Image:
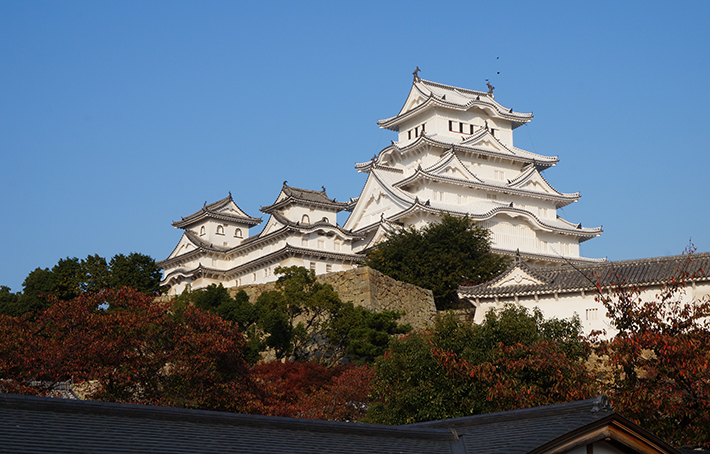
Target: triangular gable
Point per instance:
(486, 141)
(532, 180)
(271, 225)
(613, 431)
(450, 166)
(184, 246)
(415, 98)
(380, 234)
(517, 276)
(376, 191)
(232, 209)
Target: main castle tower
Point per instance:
(454, 154)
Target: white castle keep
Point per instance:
(454, 154)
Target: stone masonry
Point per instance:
(372, 290)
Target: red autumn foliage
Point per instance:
(658, 366)
(310, 390)
(123, 346)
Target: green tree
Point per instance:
(8, 301)
(135, 270)
(96, 275)
(514, 359)
(71, 277)
(305, 319)
(215, 298)
(36, 288)
(302, 319)
(438, 257)
(68, 277)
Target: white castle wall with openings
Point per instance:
(454, 154)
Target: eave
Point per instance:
(578, 232)
(277, 256)
(532, 158)
(482, 101)
(333, 206)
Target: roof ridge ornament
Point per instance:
(416, 74)
(490, 88)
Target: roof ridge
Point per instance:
(600, 403)
(207, 416)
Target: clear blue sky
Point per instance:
(117, 118)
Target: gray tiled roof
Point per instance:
(306, 197)
(39, 425)
(520, 431)
(211, 211)
(570, 278)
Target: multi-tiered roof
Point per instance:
(455, 154)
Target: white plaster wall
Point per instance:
(598, 447)
(591, 313)
(427, 118)
(295, 213)
(485, 169)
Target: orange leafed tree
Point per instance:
(123, 346)
(658, 366)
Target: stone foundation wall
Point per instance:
(373, 290)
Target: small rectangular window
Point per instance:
(328, 268)
(409, 134)
(461, 127)
(451, 125)
(313, 266)
(423, 124)
(416, 131)
(471, 128)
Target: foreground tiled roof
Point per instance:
(39, 425)
(572, 278)
(521, 431)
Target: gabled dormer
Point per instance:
(221, 223)
(305, 206)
